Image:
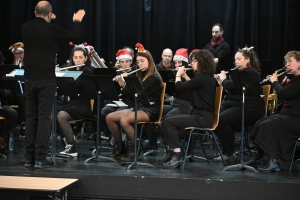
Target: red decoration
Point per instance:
(139, 47)
(85, 44)
(71, 43)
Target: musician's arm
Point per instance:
(151, 84)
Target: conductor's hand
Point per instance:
(79, 15)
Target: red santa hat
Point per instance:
(123, 53)
(181, 54)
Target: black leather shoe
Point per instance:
(273, 165)
(255, 161)
(43, 164)
(174, 162)
(29, 163)
(167, 158)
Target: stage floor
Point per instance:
(199, 180)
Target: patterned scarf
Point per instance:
(214, 44)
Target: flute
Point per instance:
(185, 69)
(120, 70)
(121, 76)
(226, 72)
(71, 67)
(282, 73)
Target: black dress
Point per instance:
(78, 108)
(277, 134)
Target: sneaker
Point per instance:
(69, 150)
(226, 158)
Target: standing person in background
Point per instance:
(219, 48)
(41, 39)
(166, 62)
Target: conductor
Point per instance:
(41, 39)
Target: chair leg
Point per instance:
(187, 147)
(213, 134)
(202, 146)
(293, 157)
(82, 138)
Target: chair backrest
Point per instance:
(218, 100)
(266, 93)
(162, 100)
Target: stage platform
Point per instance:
(199, 180)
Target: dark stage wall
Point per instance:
(271, 26)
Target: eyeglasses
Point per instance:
(125, 61)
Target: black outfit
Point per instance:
(161, 66)
(10, 115)
(152, 86)
(231, 112)
(277, 134)
(221, 52)
(202, 88)
(40, 39)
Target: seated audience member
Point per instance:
(276, 135)
(202, 89)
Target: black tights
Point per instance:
(64, 128)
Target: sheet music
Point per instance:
(117, 104)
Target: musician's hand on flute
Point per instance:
(181, 71)
(77, 17)
(273, 78)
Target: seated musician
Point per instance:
(276, 135)
(124, 61)
(202, 90)
(182, 101)
(10, 115)
(152, 84)
(18, 95)
(231, 110)
(77, 107)
(166, 60)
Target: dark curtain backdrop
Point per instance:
(271, 26)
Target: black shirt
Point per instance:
(40, 39)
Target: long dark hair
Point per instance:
(151, 68)
(249, 53)
(85, 53)
(206, 63)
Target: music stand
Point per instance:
(242, 80)
(104, 88)
(138, 93)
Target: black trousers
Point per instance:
(229, 120)
(10, 121)
(40, 96)
(170, 125)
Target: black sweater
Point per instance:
(253, 92)
(222, 52)
(203, 91)
(289, 92)
(40, 39)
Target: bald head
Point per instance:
(43, 8)
(166, 56)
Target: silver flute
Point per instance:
(121, 76)
(120, 70)
(282, 73)
(71, 67)
(235, 68)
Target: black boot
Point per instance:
(166, 159)
(258, 159)
(174, 162)
(119, 150)
(273, 165)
